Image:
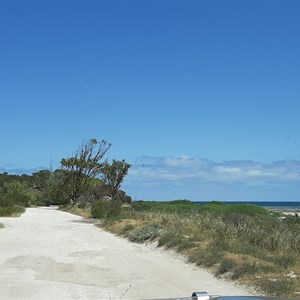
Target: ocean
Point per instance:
(284, 205)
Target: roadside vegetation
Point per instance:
(243, 243)
(14, 195)
(84, 178)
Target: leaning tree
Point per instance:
(83, 166)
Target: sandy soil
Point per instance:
(50, 254)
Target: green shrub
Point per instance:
(11, 211)
(17, 198)
(214, 207)
(81, 205)
(5, 202)
(106, 209)
(247, 209)
(179, 206)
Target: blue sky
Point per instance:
(202, 97)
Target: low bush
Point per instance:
(247, 209)
(82, 205)
(15, 198)
(11, 211)
(106, 209)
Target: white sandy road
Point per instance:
(49, 254)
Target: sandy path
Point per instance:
(49, 254)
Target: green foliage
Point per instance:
(17, 193)
(85, 165)
(106, 209)
(81, 205)
(247, 209)
(18, 198)
(214, 207)
(76, 178)
(11, 211)
(171, 206)
(113, 175)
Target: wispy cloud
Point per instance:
(184, 167)
(189, 177)
(12, 169)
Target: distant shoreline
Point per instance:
(288, 212)
(288, 206)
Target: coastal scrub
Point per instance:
(240, 242)
(244, 243)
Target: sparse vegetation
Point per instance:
(84, 212)
(76, 182)
(241, 242)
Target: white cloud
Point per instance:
(183, 168)
(180, 177)
(12, 169)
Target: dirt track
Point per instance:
(49, 254)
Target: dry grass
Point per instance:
(258, 250)
(73, 209)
